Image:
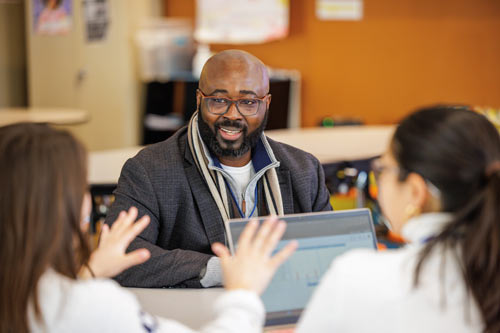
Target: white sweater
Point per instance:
(368, 291)
(103, 306)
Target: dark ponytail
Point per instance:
(458, 151)
(481, 252)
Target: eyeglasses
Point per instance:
(220, 105)
(378, 168)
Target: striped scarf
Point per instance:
(216, 183)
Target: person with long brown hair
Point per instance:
(440, 188)
(47, 267)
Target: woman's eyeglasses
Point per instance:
(378, 168)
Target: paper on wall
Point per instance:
(241, 21)
(96, 17)
(339, 9)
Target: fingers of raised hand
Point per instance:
(135, 229)
(125, 219)
(247, 235)
(119, 220)
(104, 233)
(136, 257)
(117, 226)
(283, 254)
(263, 233)
(221, 251)
(273, 238)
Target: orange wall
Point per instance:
(402, 55)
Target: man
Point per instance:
(220, 166)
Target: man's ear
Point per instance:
(268, 100)
(417, 186)
(198, 99)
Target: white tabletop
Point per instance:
(329, 145)
(336, 144)
(192, 307)
(56, 116)
(105, 166)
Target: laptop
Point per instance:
(322, 237)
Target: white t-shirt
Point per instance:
(242, 176)
(103, 306)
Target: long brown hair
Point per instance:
(42, 185)
(458, 151)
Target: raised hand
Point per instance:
(252, 266)
(110, 259)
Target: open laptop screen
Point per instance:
(321, 237)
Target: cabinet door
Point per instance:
(53, 62)
(98, 76)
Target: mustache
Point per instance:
(236, 124)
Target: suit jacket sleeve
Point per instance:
(321, 201)
(165, 268)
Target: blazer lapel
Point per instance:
(209, 213)
(286, 189)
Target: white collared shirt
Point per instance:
(369, 291)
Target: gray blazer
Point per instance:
(163, 182)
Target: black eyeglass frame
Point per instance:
(235, 102)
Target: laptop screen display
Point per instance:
(321, 238)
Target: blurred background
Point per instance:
(372, 63)
(120, 74)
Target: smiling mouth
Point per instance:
(230, 134)
(233, 132)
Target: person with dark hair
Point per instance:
(440, 189)
(47, 284)
(221, 166)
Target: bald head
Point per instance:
(241, 70)
(229, 76)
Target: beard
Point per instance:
(232, 148)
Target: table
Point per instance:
(104, 167)
(192, 307)
(55, 116)
(337, 144)
(329, 145)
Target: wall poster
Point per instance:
(52, 17)
(241, 21)
(339, 10)
(97, 19)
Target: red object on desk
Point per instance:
(394, 237)
(381, 247)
